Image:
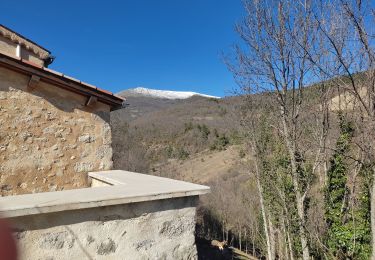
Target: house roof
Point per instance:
(17, 38)
(61, 80)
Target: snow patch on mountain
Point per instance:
(168, 94)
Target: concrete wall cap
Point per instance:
(128, 187)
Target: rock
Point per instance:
(103, 151)
(107, 247)
(89, 240)
(56, 240)
(86, 138)
(171, 229)
(106, 165)
(59, 172)
(25, 135)
(6, 187)
(83, 166)
(106, 134)
(49, 130)
(145, 244)
(52, 187)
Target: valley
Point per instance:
(196, 139)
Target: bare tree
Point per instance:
(276, 35)
(258, 143)
(346, 28)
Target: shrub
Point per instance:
(182, 154)
(188, 126)
(242, 153)
(205, 131)
(169, 151)
(220, 143)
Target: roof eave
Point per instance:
(60, 80)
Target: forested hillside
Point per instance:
(291, 160)
(198, 140)
(208, 141)
(157, 130)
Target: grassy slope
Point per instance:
(159, 132)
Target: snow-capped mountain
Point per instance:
(167, 94)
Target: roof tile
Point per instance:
(105, 91)
(71, 78)
(88, 85)
(53, 72)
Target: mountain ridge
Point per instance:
(162, 94)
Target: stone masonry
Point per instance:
(161, 229)
(49, 139)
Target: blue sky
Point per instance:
(165, 44)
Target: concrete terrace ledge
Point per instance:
(124, 215)
(109, 188)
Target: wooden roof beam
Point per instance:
(33, 82)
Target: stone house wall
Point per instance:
(30, 56)
(49, 139)
(9, 48)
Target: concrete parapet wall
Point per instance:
(160, 229)
(126, 215)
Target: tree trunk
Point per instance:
(246, 241)
(223, 230)
(253, 244)
(272, 238)
(295, 178)
(301, 216)
(284, 248)
(290, 245)
(239, 240)
(373, 217)
(263, 210)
